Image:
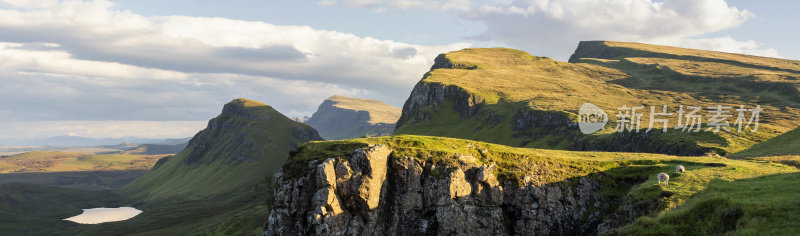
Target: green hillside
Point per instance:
(340, 117)
(629, 179)
(217, 184)
(240, 147)
(783, 145)
(510, 97)
(765, 205)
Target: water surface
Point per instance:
(102, 215)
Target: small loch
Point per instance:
(102, 215)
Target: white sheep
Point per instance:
(680, 169)
(663, 177)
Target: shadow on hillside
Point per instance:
(84, 180)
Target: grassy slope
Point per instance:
(764, 205)
(511, 79)
(550, 166)
(45, 161)
(785, 144)
(379, 112)
(222, 160)
(217, 183)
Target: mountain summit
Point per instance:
(340, 117)
(240, 147)
(510, 97)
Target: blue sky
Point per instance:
(101, 68)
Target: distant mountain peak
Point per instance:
(379, 112)
(340, 117)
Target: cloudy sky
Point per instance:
(154, 68)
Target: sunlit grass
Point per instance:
(46, 161)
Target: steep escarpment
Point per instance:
(341, 117)
(510, 97)
(410, 185)
(375, 191)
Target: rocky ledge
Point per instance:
(372, 191)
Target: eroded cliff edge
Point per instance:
(375, 188)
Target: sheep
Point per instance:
(680, 169)
(663, 177)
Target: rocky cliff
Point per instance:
(391, 186)
(341, 117)
(510, 97)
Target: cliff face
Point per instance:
(344, 118)
(510, 97)
(377, 189)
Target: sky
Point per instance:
(158, 69)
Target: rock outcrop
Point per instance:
(373, 191)
(341, 117)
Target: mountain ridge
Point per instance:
(510, 97)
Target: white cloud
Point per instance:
(88, 60)
(728, 44)
(94, 31)
(554, 27)
(381, 5)
(48, 59)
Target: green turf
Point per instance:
(785, 144)
(764, 205)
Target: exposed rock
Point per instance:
(374, 192)
(441, 61)
(431, 95)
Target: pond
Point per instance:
(102, 215)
